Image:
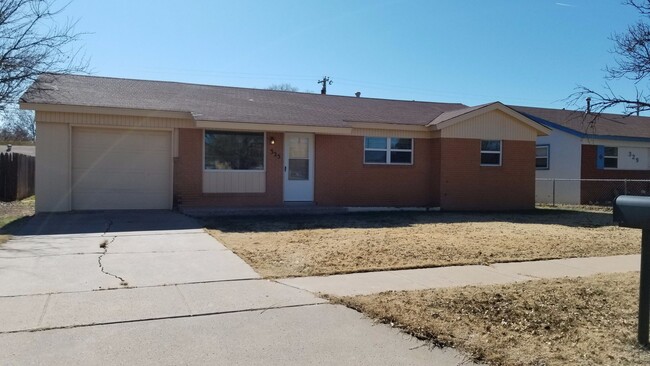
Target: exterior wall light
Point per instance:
(272, 140)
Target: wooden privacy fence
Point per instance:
(16, 176)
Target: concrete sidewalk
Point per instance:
(428, 278)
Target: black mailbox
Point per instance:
(634, 212)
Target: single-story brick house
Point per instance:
(109, 143)
(584, 151)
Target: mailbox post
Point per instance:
(634, 212)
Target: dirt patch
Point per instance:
(583, 321)
(11, 212)
(321, 245)
(17, 208)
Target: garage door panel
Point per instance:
(116, 200)
(125, 161)
(118, 139)
(120, 169)
(121, 180)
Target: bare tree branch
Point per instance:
(31, 43)
(632, 62)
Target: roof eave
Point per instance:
(271, 127)
(388, 126)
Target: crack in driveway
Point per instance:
(104, 246)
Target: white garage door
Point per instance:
(120, 169)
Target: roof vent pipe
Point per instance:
(357, 94)
(588, 105)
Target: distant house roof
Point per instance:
(230, 104)
(603, 126)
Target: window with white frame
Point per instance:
(388, 150)
(225, 150)
(490, 152)
(611, 157)
(542, 153)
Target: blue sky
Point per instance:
(524, 52)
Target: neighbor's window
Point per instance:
(611, 157)
(388, 150)
(491, 152)
(234, 150)
(542, 157)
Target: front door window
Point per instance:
(298, 158)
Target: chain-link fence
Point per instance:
(587, 191)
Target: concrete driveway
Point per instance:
(153, 288)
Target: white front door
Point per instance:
(298, 167)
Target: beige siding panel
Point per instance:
(120, 169)
(234, 181)
(372, 132)
(113, 120)
(52, 167)
(494, 125)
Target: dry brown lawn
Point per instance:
(583, 321)
(321, 245)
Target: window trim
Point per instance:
(388, 150)
(263, 170)
(548, 156)
(610, 157)
(500, 152)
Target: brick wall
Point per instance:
(188, 176)
(445, 173)
(466, 185)
(604, 192)
(342, 179)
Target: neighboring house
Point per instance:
(108, 143)
(584, 150)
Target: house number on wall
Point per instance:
(275, 154)
(634, 157)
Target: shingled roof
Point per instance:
(585, 125)
(230, 104)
